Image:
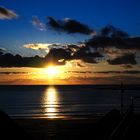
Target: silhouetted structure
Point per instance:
(122, 92)
(9, 130)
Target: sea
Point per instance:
(67, 101)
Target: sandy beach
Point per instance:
(42, 128)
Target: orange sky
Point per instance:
(67, 74)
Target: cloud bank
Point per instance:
(110, 44)
(128, 58)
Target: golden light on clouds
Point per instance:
(70, 73)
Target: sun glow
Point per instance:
(51, 71)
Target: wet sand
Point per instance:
(43, 128)
(71, 129)
(74, 128)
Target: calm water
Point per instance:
(62, 101)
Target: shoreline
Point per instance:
(59, 117)
(44, 128)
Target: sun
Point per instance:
(51, 71)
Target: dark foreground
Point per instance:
(112, 126)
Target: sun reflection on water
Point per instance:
(51, 101)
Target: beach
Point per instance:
(111, 126)
(42, 128)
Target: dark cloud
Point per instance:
(8, 73)
(56, 54)
(72, 52)
(113, 32)
(2, 50)
(7, 14)
(127, 66)
(87, 55)
(128, 58)
(70, 26)
(73, 26)
(80, 72)
(80, 65)
(120, 43)
(54, 23)
(9, 60)
(112, 52)
(119, 72)
(103, 42)
(107, 72)
(120, 50)
(111, 36)
(132, 43)
(59, 56)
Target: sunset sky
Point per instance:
(69, 42)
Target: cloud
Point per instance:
(7, 14)
(127, 66)
(56, 54)
(128, 58)
(111, 31)
(9, 60)
(43, 46)
(59, 56)
(9, 72)
(72, 47)
(38, 24)
(2, 51)
(134, 72)
(87, 55)
(38, 46)
(117, 45)
(80, 72)
(80, 65)
(54, 24)
(113, 53)
(70, 26)
(120, 72)
(111, 44)
(110, 36)
(131, 43)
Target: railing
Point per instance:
(136, 103)
(122, 126)
(120, 130)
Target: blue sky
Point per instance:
(14, 33)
